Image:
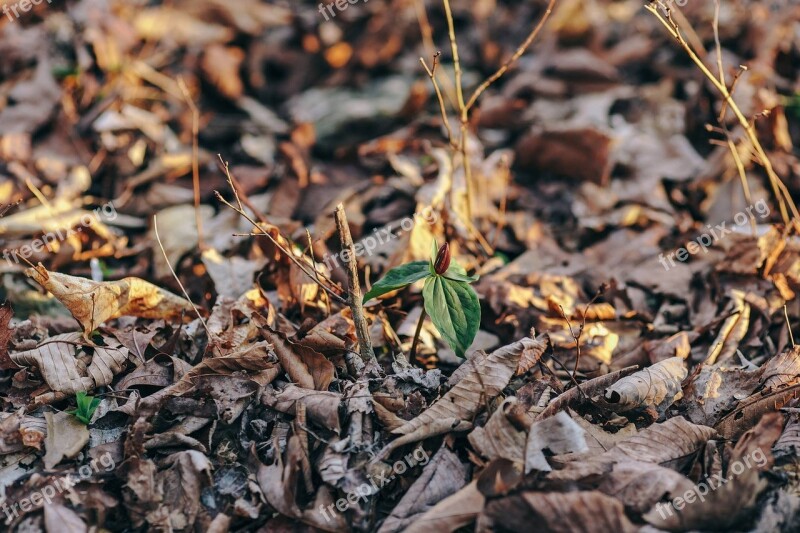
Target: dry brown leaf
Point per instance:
(782, 370)
(66, 366)
(66, 437)
(451, 513)
(254, 362)
(531, 356)
(567, 512)
(5, 335)
(308, 368)
(751, 409)
(220, 65)
(657, 386)
(279, 483)
(94, 302)
(442, 477)
(503, 435)
(641, 485)
(721, 508)
(484, 380)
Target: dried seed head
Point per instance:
(442, 262)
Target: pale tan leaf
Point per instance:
(559, 434)
(321, 407)
(62, 362)
(308, 368)
(60, 519)
(671, 444)
(732, 331)
(66, 437)
(657, 386)
(94, 302)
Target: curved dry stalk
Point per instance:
(779, 189)
(313, 276)
(432, 75)
(517, 54)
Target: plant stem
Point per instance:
(354, 299)
(422, 316)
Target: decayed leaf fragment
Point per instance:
(657, 386)
(94, 302)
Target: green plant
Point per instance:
(86, 406)
(449, 300)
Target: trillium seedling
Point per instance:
(86, 406)
(449, 300)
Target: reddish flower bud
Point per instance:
(442, 262)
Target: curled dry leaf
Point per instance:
(62, 362)
(657, 386)
(94, 302)
(732, 331)
(530, 356)
(66, 437)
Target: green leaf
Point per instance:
(454, 309)
(457, 272)
(434, 251)
(86, 406)
(397, 278)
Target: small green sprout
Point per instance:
(449, 300)
(87, 405)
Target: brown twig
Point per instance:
(265, 233)
(354, 299)
(432, 75)
(521, 50)
(782, 195)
